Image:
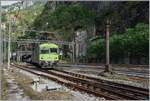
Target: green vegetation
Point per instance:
(65, 19)
(22, 19)
(128, 33)
(70, 18)
(3, 18)
(132, 44)
(129, 28)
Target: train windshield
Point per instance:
(53, 50)
(45, 51)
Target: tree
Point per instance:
(133, 43)
(72, 17)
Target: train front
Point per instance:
(49, 55)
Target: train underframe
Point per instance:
(46, 64)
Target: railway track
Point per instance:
(107, 89)
(127, 89)
(131, 72)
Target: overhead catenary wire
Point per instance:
(40, 41)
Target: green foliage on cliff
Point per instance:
(22, 18)
(69, 16)
(65, 19)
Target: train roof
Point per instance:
(48, 45)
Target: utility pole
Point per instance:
(9, 42)
(1, 58)
(73, 54)
(107, 66)
(0, 49)
(74, 48)
(5, 43)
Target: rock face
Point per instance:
(122, 14)
(81, 43)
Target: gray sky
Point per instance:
(8, 2)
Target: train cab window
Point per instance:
(53, 50)
(45, 51)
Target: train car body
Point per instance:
(46, 54)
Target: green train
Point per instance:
(45, 54)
